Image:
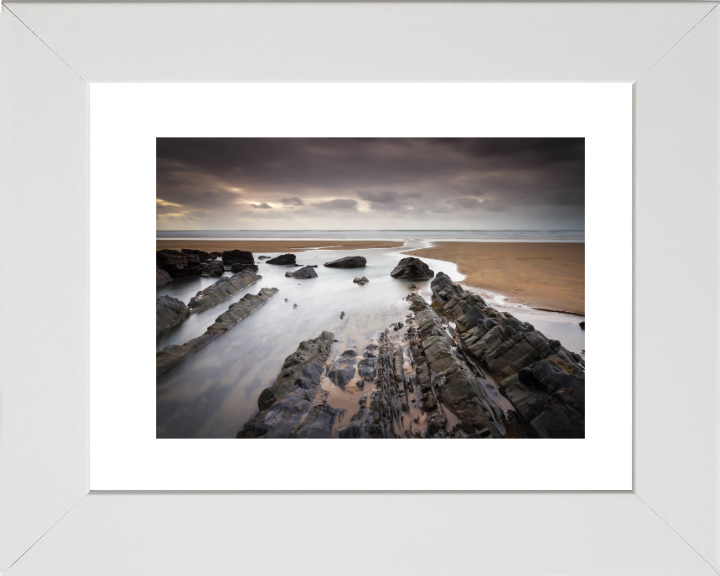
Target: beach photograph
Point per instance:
(370, 288)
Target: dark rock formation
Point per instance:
(284, 260)
(361, 281)
(506, 346)
(582, 325)
(342, 371)
(177, 264)
(412, 268)
(216, 254)
(173, 355)
(302, 273)
(263, 257)
(161, 277)
(203, 256)
(237, 257)
(237, 267)
(348, 262)
(287, 409)
(214, 269)
(222, 290)
(169, 312)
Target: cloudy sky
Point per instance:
(370, 184)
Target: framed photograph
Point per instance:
(372, 269)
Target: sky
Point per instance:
(370, 184)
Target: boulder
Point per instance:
(161, 277)
(361, 281)
(239, 257)
(203, 256)
(343, 371)
(348, 262)
(239, 267)
(169, 312)
(283, 260)
(214, 269)
(412, 268)
(177, 264)
(302, 273)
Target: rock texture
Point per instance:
(237, 257)
(222, 290)
(302, 273)
(169, 312)
(284, 260)
(173, 355)
(412, 268)
(290, 407)
(203, 256)
(177, 264)
(506, 346)
(361, 281)
(214, 269)
(348, 262)
(161, 277)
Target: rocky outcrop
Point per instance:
(284, 260)
(348, 262)
(412, 268)
(173, 355)
(240, 267)
(238, 257)
(214, 269)
(222, 290)
(161, 277)
(361, 281)
(302, 273)
(177, 264)
(506, 346)
(288, 408)
(169, 312)
(203, 256)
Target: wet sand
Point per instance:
(542, 275)
(257, 247)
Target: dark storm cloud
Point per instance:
(497, 182)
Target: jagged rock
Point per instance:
(302, 273)
(203, 256)
(172, 355)
(222, 290)
(342, 371)
(239, 267)
(169, 312)
(214, 269)
(161, 277)
(177, 264)
(412, 268)
(237, 257)
(286, 408)
(284, 260)
(361, 281)
(348, 262)
(342, 315)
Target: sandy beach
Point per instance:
(257, 247)
(547, 276)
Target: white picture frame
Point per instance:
(50, 523)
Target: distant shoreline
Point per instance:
(260, 246)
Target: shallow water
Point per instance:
(214, 392)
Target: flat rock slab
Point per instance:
(172, 355)
(412, 268)
(302, 273)
(162, 278)
(348, 262)
(222, 290)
